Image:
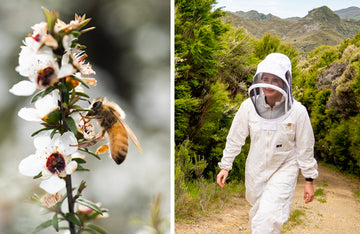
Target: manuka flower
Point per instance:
(43, 107)
(30, 62)
(41, 37)
(42, 70)
(52, 159)
(50, 200)
(78, 57)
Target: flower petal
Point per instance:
(65, 142)
(23, 88)
(31, 165)
(53, 184)
(71, 167)
(42, 142)
(47, 104)
(29, 114)
(66, 70)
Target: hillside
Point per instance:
(349, 13)
(320, 27)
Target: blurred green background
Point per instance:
(130, 52)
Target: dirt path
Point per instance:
(336, 209)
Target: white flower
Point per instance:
(53, 159)
(39, 66)
(78, 57)
(41, 37)
(42, 70)
(31, 59)
(43, 106)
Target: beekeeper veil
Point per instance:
(274, 73)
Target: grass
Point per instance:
(357, 195)
(203, 195)
(319, 193)
(322, 200)
(294, 219)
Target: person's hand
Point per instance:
(308, 192)
(221, 177)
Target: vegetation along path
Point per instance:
(335, 209)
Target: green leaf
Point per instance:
(81, 168)
(89, 204)
(38, 131)
(38, 175)
(75, 33)
(42, 93)
(55, 222)
(62, 87)
(53, 133)
(53, 117)
(51, 18)
(79, 160)
(89, 230)
(82, 94)
(96, 228)
(42, 226)
(87, 30)
(77, 107)
(71, 217)
(91, 153)
(83, 23)
(71, 125)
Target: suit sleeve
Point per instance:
(239, 130)
(305, 145)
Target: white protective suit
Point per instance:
(282, 141)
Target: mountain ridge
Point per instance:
(349, 13)
(321, 26)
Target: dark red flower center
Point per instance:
(56, 163)
(45, 77)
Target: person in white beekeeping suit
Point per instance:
(282, 141)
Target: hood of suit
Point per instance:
(274, 73)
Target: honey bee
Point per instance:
(110, 118)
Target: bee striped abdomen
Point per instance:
(118, 141)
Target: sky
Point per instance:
(284, 8)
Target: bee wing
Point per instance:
(128, 130)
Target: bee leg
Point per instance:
(99, 137)
(93, 116)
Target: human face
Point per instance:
(272, 95)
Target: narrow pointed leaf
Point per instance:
(89, 204)
(38, 175)
(71, 124)
(72, 219)
(55, 222)
(42, 93)
(96, 228)
(43, 129)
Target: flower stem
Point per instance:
(71, 202)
